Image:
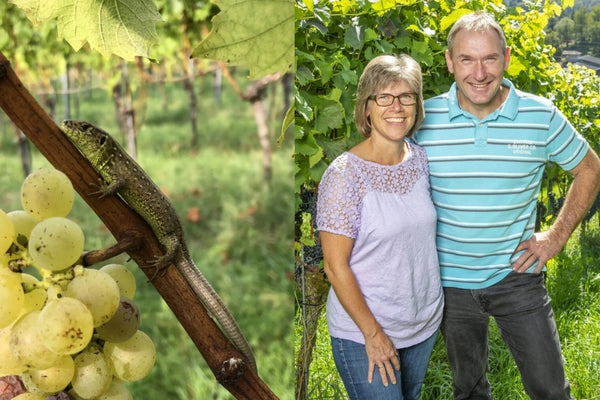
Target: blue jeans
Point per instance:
(521, 308)
(352, 363)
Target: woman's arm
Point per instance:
(380, 349)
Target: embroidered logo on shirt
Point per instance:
(522, 147)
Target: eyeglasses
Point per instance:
(386, 99)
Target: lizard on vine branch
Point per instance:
(123, 176)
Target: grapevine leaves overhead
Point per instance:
(261, 41)
(126, 28)
(256, 34)
(335, 40)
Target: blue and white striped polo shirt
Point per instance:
(485, 179)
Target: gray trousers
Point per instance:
(521, 308)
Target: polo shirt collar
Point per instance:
(508, 109)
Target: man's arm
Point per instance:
(582, 192)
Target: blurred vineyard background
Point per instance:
(211, 139)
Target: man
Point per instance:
(487, 145)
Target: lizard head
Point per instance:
(91, 141)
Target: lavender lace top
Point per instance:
(388, 212)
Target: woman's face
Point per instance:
(393, 122)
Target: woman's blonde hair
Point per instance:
(379, 73)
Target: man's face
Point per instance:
(478, 62)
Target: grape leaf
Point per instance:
(126, 28)
(256, 34)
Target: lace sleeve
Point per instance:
(423, 160)
(338, 202)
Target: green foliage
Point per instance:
(30, 50)
(578, 99)
(577, 29)
(576, 94)
(124, 28)
(262, 43)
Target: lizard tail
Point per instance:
(219, 311)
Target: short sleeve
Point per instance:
(566, 146)
(338, 201)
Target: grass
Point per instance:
(574, 286)
(241, 240)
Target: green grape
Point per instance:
(22, 221)
(30, 386)
(98, 291)
(124, 278)
(123, 325)
(92, 376)
(65, 325)
(52, 379)
(116, 391)
(47, 193)
(29, 396)
(56, 243)
(132, 359)
(36, 297)
(35, 300)
(9, 365)
(7, 232)
(12, 297)
(26, 344)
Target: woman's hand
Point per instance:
(380, 349)
(382, 353)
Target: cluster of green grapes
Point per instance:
(64, 328)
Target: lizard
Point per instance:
(123, 176)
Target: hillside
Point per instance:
(578, 3)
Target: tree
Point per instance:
(565, 28)
(581, 20)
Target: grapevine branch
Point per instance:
(27, 114)
(132, 241)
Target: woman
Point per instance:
(376, 225)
